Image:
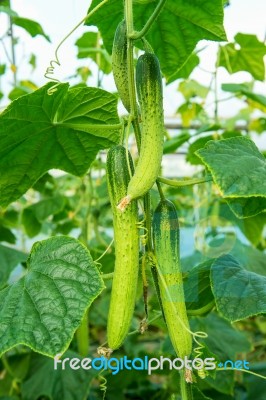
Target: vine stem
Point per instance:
(13, 65)
(183, 182)
(185, 388)
(50, 69)
(130, 70)
(147, 26)
(242, 370)
(82, 335)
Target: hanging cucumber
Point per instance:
(150, 96)
(119, 63)
(166, 247)
(126, 249)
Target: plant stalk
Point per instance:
(82, 335)
(147, 26)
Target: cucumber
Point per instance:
(150, 96)
(166, 247)
(119, 63)
(126, 237)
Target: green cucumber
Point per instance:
(166, 247)
(119, 63)
(126, 237)
(150, 96)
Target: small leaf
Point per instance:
(10, 258)
(6, 235)
(7, 10)
(258, 100)
(88, 47)
(171, 145)
(249, 57)
(191, 88)
(239, 170)
(32, 27)
(2, 69)
(44, 308)
(238, 292)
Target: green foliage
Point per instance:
(245, 54)
(243, 185)
(174, 35)
(51, 299)
(58, 134)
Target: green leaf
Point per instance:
(198, 395)
(10, 258)
(251, 259)
(171, 145)
(190, 111)
(44, 308)
(251, 227)
(256, 387)
(175, 33)
(30, 222)
(2, 69)
(258, 100)
(196, 145)
(238, 292)
(6, 235)
(197, 289)
(223, 340)
(191, 88)
(7, 10)
(88, 47)
(24, 87)
(201, 142)
(249, 57)
(64, 130)
(32, 27)
(44, 380)
(239, 170)
(35, 214)
(187, 68)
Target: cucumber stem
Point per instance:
(82, 335)
(185, 387)
(184, 182)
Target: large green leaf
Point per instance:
(238, 292)
(175, 33)
(245, 54)
(44, 308)
(44, 380)
(9, 259)
(239, 170)
(64, 130)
